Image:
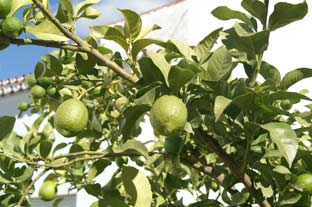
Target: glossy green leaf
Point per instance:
(6, 126)
(27, 174)
(46, 30)
(285, 13)
(85, 63)
(225, 13)
(97, 168)
(110, 33)
(93, 189)
(45, 148)
(91, 13)
(53, 65)
(285, 139)
(82, 6)
(183, 49)
(150, 72)
(133, 146)
(65, 11)
(221, 103)
(160, 61)
(17, 4)
(132, 114)
(203, 48)
(178, 77)
(270, 72)
(137, 186)
(219, 65)
(255, 8)
(133, 23)
(141, 44)
(295, 76)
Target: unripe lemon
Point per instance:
(23, 106)
(12, 27)
(5, 7)
(71, 117)
(173, 144)
(304, 183)
(48, 190)
(286, 104)
(121, 102)
(37, 91)
(168, 115)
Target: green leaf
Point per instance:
(183, 49)
(132, 114)
(285, 139)
(133, 23)
(219, 65)
(65, 11)
(160, 61)
(179, 76)
(150, 72)
(295, 76)
(6, 126)
(146, 30)
(270, 72)
(46, 30)
(110, 33)
(203, 48)
(45, 148)
(85, 63)
(137, 186)
(17, 4)
(82, 6)
(221, 103)
(225, 13)
(250, 43)
(286, 13)
(284, 95)
(133, 146)
(93, 189)
(91, 13)
(53, 65)
(97, 168)
(39, 70)
(141, 44)
(146, 95)
(27, 174)
(256, 8)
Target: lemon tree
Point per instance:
(212, 131)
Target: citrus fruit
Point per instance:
(12, 27)
(168, 115)
(51, 91)
(86, 84)
(5, 7)
(37, 91)
(214, 185)
(97, 91)
(173, 144)
(45, 81)
(71, 117)
(121, 102)
(23, 106)
(304, 183)
(286, 104)
(48, 190)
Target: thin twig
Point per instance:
(234, 167)
(29, 187)
(85, 47)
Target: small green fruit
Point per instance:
(5, 8)
(304, 183)
(286, 104)
(48, 190)
(23, 106)
(121, 103)
(12, 27)
(97, 91)
(37, 91)
(45, 81)
(51, 91)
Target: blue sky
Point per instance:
(20, 60)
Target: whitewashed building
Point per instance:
(188, 21)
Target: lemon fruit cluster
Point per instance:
(168, 115)
(71, 117)
(48, 190)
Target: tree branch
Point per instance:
(29, 187)
(85, 47)
(234, 167)
(44, 43)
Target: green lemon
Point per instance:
(5, 8)
(86, 84)
(45, 81)
(37, 91)
(23, 106)
(214, 185)
(51, 91)
(168, 115)
(97, 91)
(304, 183)
(173, 144)
(121, 102)
(12, 27)
(286, 104)
(48, 190)
(71, 117)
